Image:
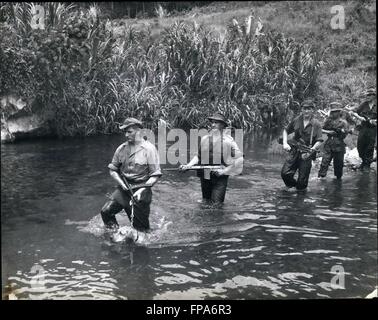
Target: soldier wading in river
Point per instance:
(302, 148)
(219, 149)
(367, 113)
(135, 162)
(334, 147)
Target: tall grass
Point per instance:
(91, 80)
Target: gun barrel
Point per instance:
(294, 144)
(300, 147)
(124, 179)
(196, 168)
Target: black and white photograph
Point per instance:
(188, 151)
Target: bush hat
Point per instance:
(335, 106)
(370, 92)
(308, 103)
(218, 117)
(131, 122)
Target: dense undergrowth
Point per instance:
(90, 73)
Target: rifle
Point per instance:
(337, 131)
(362, 119)
(299, 145)
(357, 116)
(209, 167)
(132, 187)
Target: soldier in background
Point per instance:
(366, 112)
(334, 147)
(307, 136)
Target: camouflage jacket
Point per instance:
(335, 142)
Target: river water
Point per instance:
(264, 243)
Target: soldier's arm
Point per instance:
(153, 166)
(318, 138)
(236, 167)
(328, 127)
(317, 145)
(114, 168)
(152, 180)
(285, 145)
(116, 177)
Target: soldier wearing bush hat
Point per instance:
(335, 106)
(308, 104)
(336, 129)
(217, 117)
(135, 163)
(371, 92)
(216, 148)
(366, 112)
(302, 148)
(131, 122)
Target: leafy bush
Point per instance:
(90, 80)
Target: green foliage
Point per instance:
(60, 66)
(90, 80)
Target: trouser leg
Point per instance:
(289, 168)
(365, 144)
(338, 164)
(141, 209)
(206, 188)
(140, 216)
(108, 212)
(140, 220)
(371, 135)
(219, 188)
(361, 143)
(326, 161)
(303, 173)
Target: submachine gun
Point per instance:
(300, 146)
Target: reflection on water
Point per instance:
(263, 243)
(78, 281)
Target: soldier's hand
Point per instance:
(138, 194)
(184, 167)
(373, 122)
(286, 147)
(306, 155)
(219, 172)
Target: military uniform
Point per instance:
(222, 150)
(334, 147)
(368, 132)
(310, 134)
